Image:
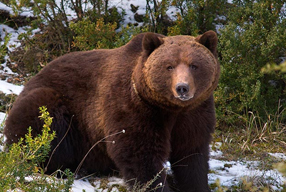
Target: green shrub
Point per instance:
(254, 36)
(56, 37)
(53, 41)
(20, 167)
(98, 35)
(90, 35)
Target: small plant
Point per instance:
(217, 186)
(20, 167)
(146, 187)
(38, 148)
(3, 47)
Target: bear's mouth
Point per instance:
(184, 97)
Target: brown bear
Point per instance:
(158, 89)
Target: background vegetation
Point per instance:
(251, 96)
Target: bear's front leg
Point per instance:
(191, 136)
(140, 156)
(190, 169)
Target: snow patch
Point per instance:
(81, 185)
(232, 173)
(129, 15)
(2, 118)
(281, 156)
(14, 42)
(25, 11)
(9, 88)
(126, 6)
(5, 8)
(215, 149)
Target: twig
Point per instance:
(80, 164)
(58, 144)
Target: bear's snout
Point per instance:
(182, 88)
(183, 92)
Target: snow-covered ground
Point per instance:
(228, 172)
(9, 88)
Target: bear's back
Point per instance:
(80, 70)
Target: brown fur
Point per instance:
(98, 93)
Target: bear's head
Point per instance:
(177, 71)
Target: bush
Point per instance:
(90, 35)
(56, 37)
(255, 36)
(98, 35)
(20, 167)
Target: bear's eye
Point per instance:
(169, 68)
(193, 67)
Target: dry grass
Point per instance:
(255, 136)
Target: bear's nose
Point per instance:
(182, 88)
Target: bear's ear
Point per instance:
(151, 41)
(209, 40)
